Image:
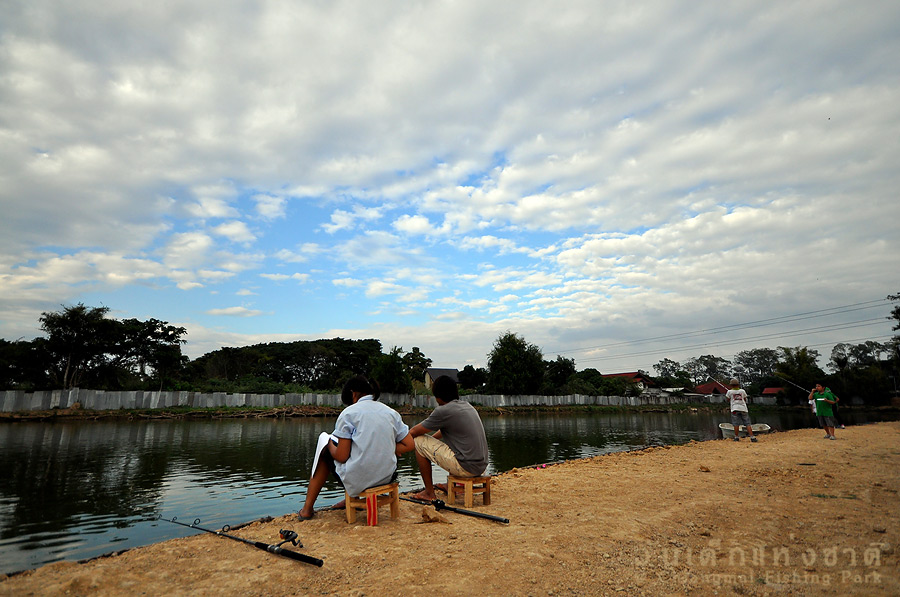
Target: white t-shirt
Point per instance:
(375, 429)
(738, 399)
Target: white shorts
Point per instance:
(440, 453)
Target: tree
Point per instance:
(707, 366)
(515, 366)
(388, 370)
(840, 357)
(471, 378)
(557, 373)
(756, 363)
(667, 368)
(24, 365)
(799, 366)
(415, 363)
(670, 374)
(79, 339)
(895, 313)
(867, 353)
(152, 343)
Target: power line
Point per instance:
(832, 327)
(751, 324)
(648, 366)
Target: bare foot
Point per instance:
(339, 506)
(424, 496)
(441, 487)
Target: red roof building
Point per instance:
(712, 387)
(640, 380)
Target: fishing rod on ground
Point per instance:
(440, 505)
(288, 536)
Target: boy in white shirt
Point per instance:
(740, 415)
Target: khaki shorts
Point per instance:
(440, 453)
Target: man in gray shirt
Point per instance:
(458, 444)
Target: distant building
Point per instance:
(640, 381)
(772, 391)
(433, 373)
(711, 388)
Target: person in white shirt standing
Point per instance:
(740, 415)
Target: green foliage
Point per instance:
(318, 364)
(389, 371)
(471, 378)
(798, 365)
(755, 364)
(85, 348)
(415, 363)
(23, 365)
(557, 374)
(515, 366)
(707, 366)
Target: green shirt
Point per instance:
(823, 409)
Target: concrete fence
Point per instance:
(17, 400)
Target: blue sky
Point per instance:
(588, 175)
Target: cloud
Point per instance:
(306, 252)
(235, 312)
(211, 207)
(270, 207)
(567, 173)
(378, 248)
(413, 225)
(235, 231)
(302, 278)
(344, 220)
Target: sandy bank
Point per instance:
(804, 515)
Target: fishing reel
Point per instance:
(289, 536)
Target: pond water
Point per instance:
(76, 490)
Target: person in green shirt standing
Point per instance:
(823, 399)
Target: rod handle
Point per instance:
(300, 557)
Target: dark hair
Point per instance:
(359, 383)
(445, 388)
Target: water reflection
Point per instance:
(75, 490)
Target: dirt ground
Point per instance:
(793, 514)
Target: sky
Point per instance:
(615, 182)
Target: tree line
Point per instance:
(84, 347)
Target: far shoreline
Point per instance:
(77, 413)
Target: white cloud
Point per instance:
(235, 312)
(596, 173)
(503, 245)
(302, 278)
(307, 251)
(344, 220)
(187, 250)
(413, 225)
(270, 207)
(235, 231)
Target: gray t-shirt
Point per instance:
(462, 431)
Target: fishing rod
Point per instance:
(792, 383)
(440, 505)
(288, 536)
